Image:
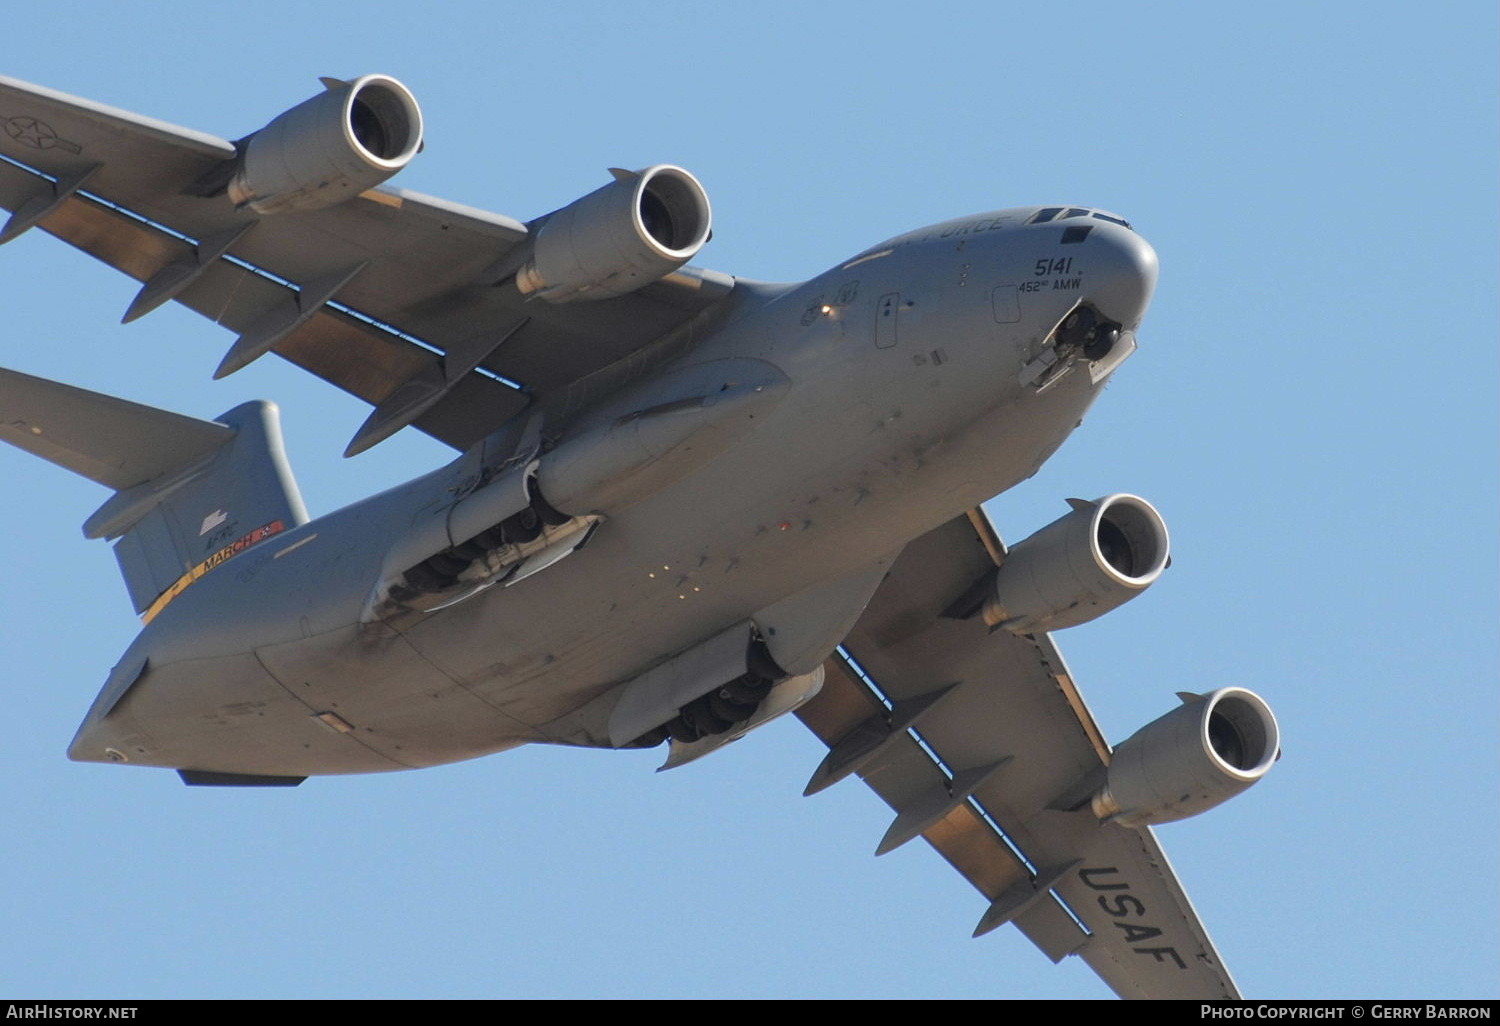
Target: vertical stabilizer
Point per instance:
(189, 493)
(239, 497)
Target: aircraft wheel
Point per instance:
(470, 550)
(1105, 337)
(447, 563)
(491, 538)
(700, 715)
(682, 731)
(747, 689)
(730, 712)
(1076, 327)
(523, 526)
(427, 580)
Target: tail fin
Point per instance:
(189, 493)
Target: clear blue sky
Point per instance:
(1313, 409)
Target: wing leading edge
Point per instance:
(403, 300)
(976, 740)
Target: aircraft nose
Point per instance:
(1122, 273)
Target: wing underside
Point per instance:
(977, 740)
(403, 300)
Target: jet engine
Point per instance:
(347, 139)
(638, 228)
(1200, 754)
(1080, 566)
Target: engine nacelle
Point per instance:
(1080, 566)
(347, 139)
(636, 229)
(1200, 754)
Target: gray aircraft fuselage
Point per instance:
(910, 395)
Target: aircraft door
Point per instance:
(1006, 303)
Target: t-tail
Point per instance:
(189, 494)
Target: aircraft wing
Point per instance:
(1016, 745)
(423, 319)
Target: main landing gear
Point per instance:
(723, 708)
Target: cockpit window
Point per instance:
(1113, 220)
(1059, 213)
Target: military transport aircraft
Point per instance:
(685, 503)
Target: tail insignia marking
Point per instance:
(228, 552)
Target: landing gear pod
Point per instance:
(636, 229)
(347, 139)
(1200, 754)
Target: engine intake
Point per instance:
(347, 139)
(1200, 754)
(1080, 566)
(636, 229)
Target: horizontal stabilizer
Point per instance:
(117, 443)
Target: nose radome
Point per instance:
(1122, 273)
